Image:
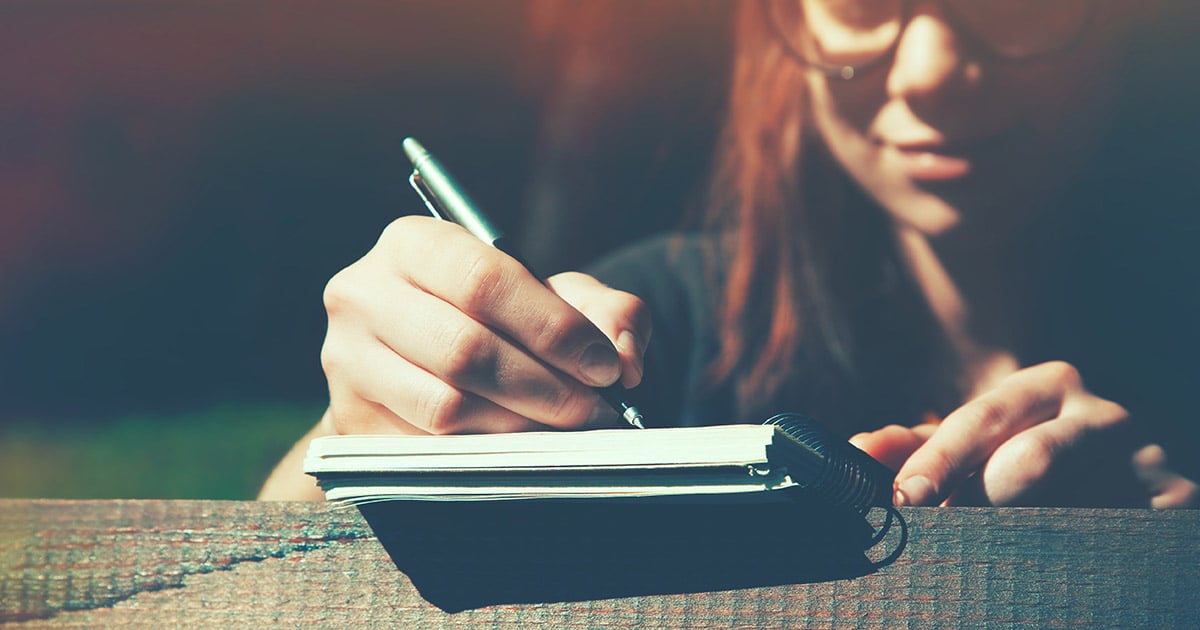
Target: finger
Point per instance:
(892, 445)
(1167, 488)
(1081, 458)
(622, 317)
(1084, 457)
(468, 356)
(349, 413)
(969, 435)
(398, 393)
(1017, 472)
(353, 415)
(496, 290)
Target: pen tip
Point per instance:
(633, 417)
(413, 149)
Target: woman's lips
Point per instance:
(934, 162)
(941, 159)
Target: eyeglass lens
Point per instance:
(856, 32)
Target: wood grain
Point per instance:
(213, 563)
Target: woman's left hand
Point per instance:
(1038, 438)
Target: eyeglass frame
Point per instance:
(850, 72)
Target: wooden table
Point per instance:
(219, 564)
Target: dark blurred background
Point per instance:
(178, 180)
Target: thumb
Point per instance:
(892, 445)
(621, 316)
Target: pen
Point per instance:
(449, 202)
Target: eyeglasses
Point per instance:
(842, 38)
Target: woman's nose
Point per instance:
(931, 59)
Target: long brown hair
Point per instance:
(757, 193)
(807, 250)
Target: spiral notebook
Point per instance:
(477, 520)
(738, 461)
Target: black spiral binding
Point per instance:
(836, 471)
(829, 467)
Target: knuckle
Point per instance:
(567, 408)
(1064, 374)
(990, 414)
(336, 295)
(330, 359)
(468, 351)
(481, 282)
(631, 303)
(557, 334)
(410, 240)
(398, 232)
(336, 357)
(353, 412)
(441, 408)
(636, 311)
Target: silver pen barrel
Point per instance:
(451, 200)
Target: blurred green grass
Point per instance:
(221, 452)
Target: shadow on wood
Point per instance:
(463, 555)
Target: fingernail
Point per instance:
(915, 490)
(600, 365)
(627, 342)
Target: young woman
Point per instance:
(902, 246)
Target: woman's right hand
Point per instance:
(434, 331)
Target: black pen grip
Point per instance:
(505, 244)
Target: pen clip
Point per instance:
(427, 195)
